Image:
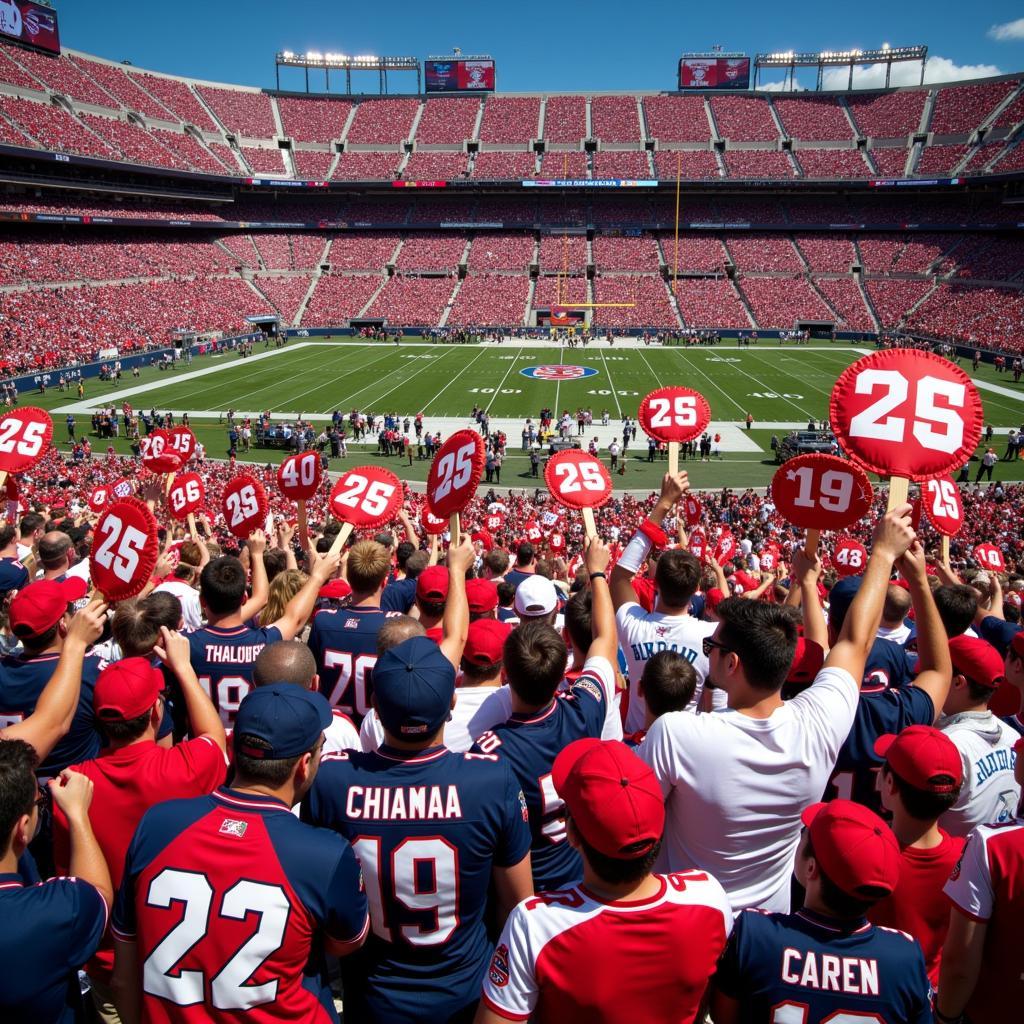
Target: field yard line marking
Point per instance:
(280, 384)
(608, 374)
(342, 376)
(761, 385)
(511, 367)
(383, 380)
(696, 369)
(558, 385)
(803, 379)
(426, 405)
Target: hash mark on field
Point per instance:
(696, 369)
(426, 405)
(615, 394)
(497, 390)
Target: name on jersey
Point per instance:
(641, 652)
(852, 975)
(403, 803)
(225, 654)
(1001, 760)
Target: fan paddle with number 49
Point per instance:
(578, 480)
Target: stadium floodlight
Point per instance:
(887, 55)
(332, 61)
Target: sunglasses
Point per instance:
(710, 643)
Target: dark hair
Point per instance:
(402, 553)
(841, 903)
(979, 694)
(44, 639)
(273, 772)
(669, 682)
(763, 636)
(919, 803)
(222, 585)
(30, 522)
(433, 609)
(275, 561)
(136, 624)
(618, 870)
(18, 762)
(415, 564)
(535, 658)
(524, 556)
(506, 593)
(677, 575)
(578, 619)
(7, 533)
(957, 607)
(121, 731)
(496, 560)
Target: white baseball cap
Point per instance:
(536, 595)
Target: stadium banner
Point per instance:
(590, 183)
(30, 23)
(458, 75)
(714, 73)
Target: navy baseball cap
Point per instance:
(413, 686)
(286, 717)
(840, 597)
(13, 575)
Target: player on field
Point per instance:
(224, 650)
(432, 829)
(670, 627)
(544, 723)
(736, 781)
(228, 901)
(625, 945)
(981, 979)
(827, 963)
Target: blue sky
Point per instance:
(537, 46)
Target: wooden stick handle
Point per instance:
(945, 552)
(343, 535)
(673, 457)
(303, 525)
(588, 523)
(192, 531)
(899, 489)
(435, 545)
(455, 528)
(811, 539)
(170, 482)
(3, 477)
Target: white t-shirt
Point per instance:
(735, 786)
(191, 609)
(643, 634)
(341, 734)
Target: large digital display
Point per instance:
(459, 75)
(30, 23)
(714, 73)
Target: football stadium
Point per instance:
(475, 554)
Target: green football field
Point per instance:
(781, 386)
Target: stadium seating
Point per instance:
(676, 118)
(550, 291)
(564, 164)
(892, 299)
(509, 119)
(923, 250)
(386, 122)
(827, 252)
(497, 166)
(831, 163)
(491, 300)
(563, 253)
(115, 81)
(621, 164)
(891, 163)
(243, 248)
(696, 252)
(287, 251)
(987, 259)
(565, 118)
(413, 300)
(887, 115)
(367, 166)
(190, 152)
(313, 120)
(710, 302)
(177, 97)
(447, 120)
(55, 128)
(62, 76)
(285, 294)
(614, 118)
(312, 164)
(500, 251)
(626, 252)
(339, 297)
(430, 251)
(777, 303)
(244, 113)
(14, 74)
(763, 253)
(991, 316)
(744, 118)
(264, 161)
(354, 250)
(1012, 114)
(427, 166)
(696, 165)
(846, 299)
(137, 145)
(648, 293)
(758, 163)
(940, 159)
(1013, 160)
(962, 108)
(820, 118)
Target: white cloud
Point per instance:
(938, 69)
(1008, 31)
(780, 86)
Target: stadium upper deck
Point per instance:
(82, 105)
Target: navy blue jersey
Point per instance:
(823, 969)
(344, 643)
(399, 596)
(998, 633)
(1015, 722)
(227, 898)
(222, 659)
(50, 930)
(515, 577)
(506, 614)
(530, 744)
(428, 828)
(887, 667)
(857, 767)
(23, 679)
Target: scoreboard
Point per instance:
(459, 75)
(714, 71)
(30, 23)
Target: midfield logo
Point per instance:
(558, 371)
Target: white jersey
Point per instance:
(735, 786)
(191, 609)
(643, 634)
(989, 794)
(340, 735)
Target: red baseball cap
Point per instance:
(1017, 644)
(127, 689)
(855, 848)
(432, 584)
(335, 589)
(485, 642)
(923, 755)
(40, 605)
(807, 661)
(613, 797)
(482, 596)
(713, 598)
(978, 660)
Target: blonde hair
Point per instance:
(367, 566)
(283, 588)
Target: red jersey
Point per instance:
(127, 783)
(916, 905)
(988, 885)
(569, 956)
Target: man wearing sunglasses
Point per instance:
(750, 770)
